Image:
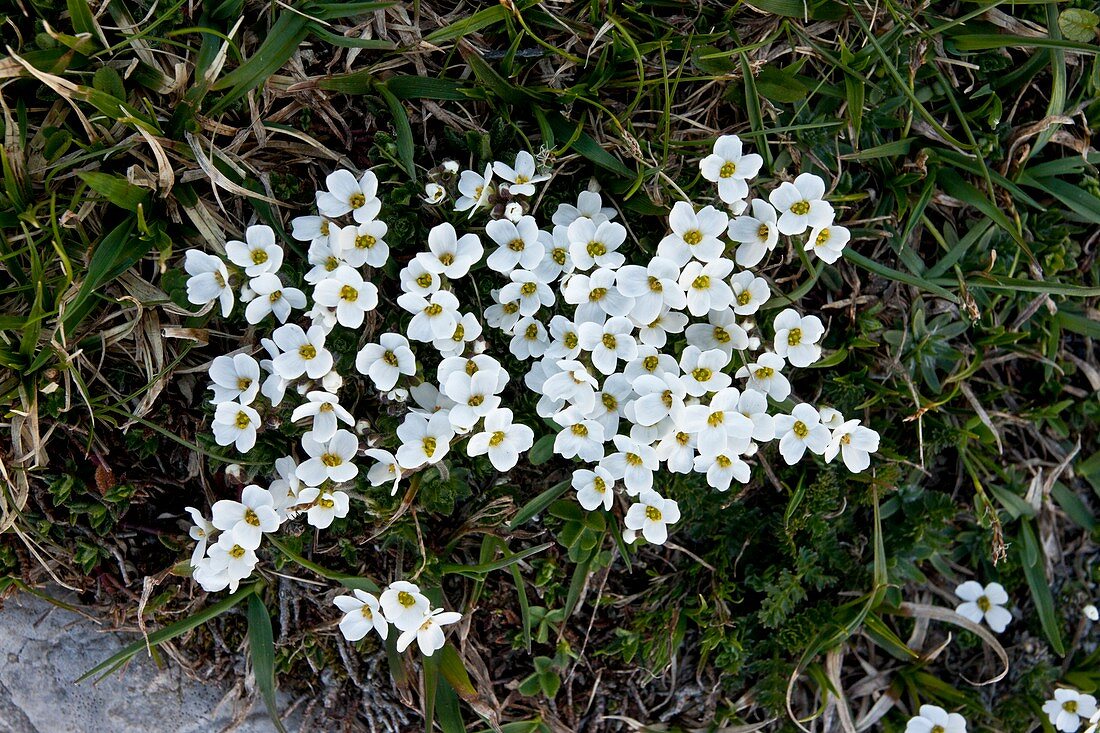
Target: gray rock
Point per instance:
(44, 649)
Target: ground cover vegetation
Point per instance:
(945, 584)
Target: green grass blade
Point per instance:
(261, 646)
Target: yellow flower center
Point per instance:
(609, 402)
(528, 288)
(683, 438)
(331, 460)
(800, 429)
(496, 438)
(570, 340)
(1070, 706)
(559, 256)
(650, 363)
(331, 264)
(521, 179)
(428, 445)
(259, 256)
(693, 237)
(434, 309)
(237, 552)
(446, 259)
(763, 373)
(728, 169)
(389, 358)
(349, 294)
(356, 200)
(721, 335)
(822, 237)
(984, 604)
(516, 245)
(846, 439)
(666, 398)
(579, 430)
(723, 461)
(242, 421)
(599, 484)
(324, 228)
(406, 599)
(609, 341)
(251, 517)
(511, 308)
(596, 249)
(763, 231)
(800, 208)
(275, 296)
(244, 383)
(794, 337)
(365, 241)
(633, 459)
(475, 400)
(219, 279)
(701, 283)
(744, 297)
(365, 610)
(701, 374)
(471, 367)
(655, 284)
(716, 418)
(459, 334)
(653, 514)
(307, 351)
(532, 332)
(425, 280)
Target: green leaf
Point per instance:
(539, 503)
(479, 571)
(261, 646)
(469, 24)
(542, 451)
(1031, 558)
(280, 43)
(1078, 24)
(406, 148)
(587, 146)
(780, 85)
(115, 189)
(168, 633)
(454, 671)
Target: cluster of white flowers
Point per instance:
(603, 335)
(634, 362)
(402, 605)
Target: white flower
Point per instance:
(854, 442)
(521, 176)
(579, 438)
(757, 234)
(417, 278)
(434, 193)
(589, 205)
(827, 242)
(706, 287)
(404, 605)
(475, 190)
(529, 339)
(349, 294)
(386, 470)
(730, 167)
(650, 361)
(208, 281)
(765, 375)
(285, 488)
(719, 426)
(831, 417)
(703, 370)
(754, 405)
(259, 254)
(527, 290)
(361, 614)
(424, 439)
(556, 259)
(200, 532)
(633, 462)
(386, 361)
(429, 633)
(429, 399)
(987, 603)
(272, 297)
(501, 439)
(519, 244)
(801, 205)
(1069, 708)
(235, 424)
(595, 245)
(433, 318)
(303, 352)
(466, 330)
(475, 397)
(722, 469)
(659, 396)
(451, 255)
(310, 228)
(331, 460)
(594, 488)
(326, 411)
(326, 254)
(450, 167)
(796, 337)
(611, 401)
(933, 719)
(655, 332)
(565, 342)
(235, 377)
(324, 506)
(470, 366)
(502, 315)
(248, 518)
(749, 293)
(693, 234)
(1091, 612)
(573, 384)
(364, 244)
(651, 516)
(653, 288)
(346, 194)
(800, 430)
(609, 342)
(595, 296)
(677, 449)
(513, 211)
(230, 559)
(720, 332)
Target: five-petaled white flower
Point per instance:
(827, 242)
(800, 430)
(347, 292)
(518, 244)
(854, 442)
(271, 296)
(302, 352)
(234, 377)
(424, 439)
(404, 605)
(594, 487)
(593, 244)
(448, 254)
